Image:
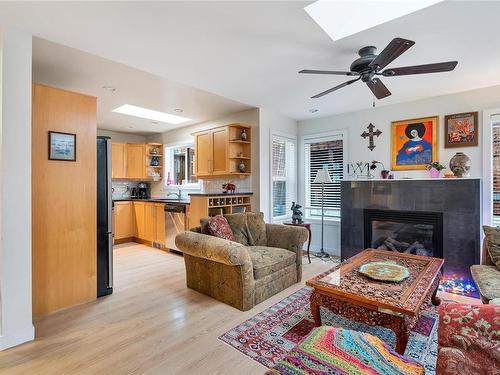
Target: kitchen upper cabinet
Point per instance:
(124, 220)
(222, 151)
(203, 153)
(118, 159)
(220, 145)
(136, 160)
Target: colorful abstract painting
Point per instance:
(461, 130)
(414, 143)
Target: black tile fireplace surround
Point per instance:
(451, 207)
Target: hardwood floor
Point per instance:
(151, 324)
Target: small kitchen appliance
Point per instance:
(143, 190)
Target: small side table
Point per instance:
(308, 227)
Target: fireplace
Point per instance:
(441, 217)
(411, 232)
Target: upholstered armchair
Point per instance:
(262, 260)
(469, 339)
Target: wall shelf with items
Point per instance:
(154, 160)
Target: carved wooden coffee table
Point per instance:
(396, 306)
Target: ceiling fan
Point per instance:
(369, 65)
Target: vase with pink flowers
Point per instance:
(435, 169)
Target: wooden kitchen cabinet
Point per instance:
(124, 220)
(136, 160)
(149, 222)
(160, 223)
(220, 151)
(118, 159)
(139, 219)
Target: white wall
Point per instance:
(15, 195)
(122, 137)
(249, 117)
(356, 122)
(269, 122)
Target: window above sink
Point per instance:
(179, 166)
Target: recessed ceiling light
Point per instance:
(132, 110)
(313, 110)
(179, 110)
(109, 88)
(337, 18)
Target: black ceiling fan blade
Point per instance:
(421, 69)
(334, 88)
(335, 72)
(393, 50)
(378, 88)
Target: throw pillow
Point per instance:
(218, 226)
(238, 224)
(492, 241)
(256, 229)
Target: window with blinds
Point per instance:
(496, 168)
(284, 176)
(325, 153)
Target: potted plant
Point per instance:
(434, 169)
(383, 173)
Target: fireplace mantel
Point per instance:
(457, 199)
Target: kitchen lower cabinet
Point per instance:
(149, 222)
(139, 220)
(123, 220)
(160, 224)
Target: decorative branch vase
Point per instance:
(434, 172)
(460, 165)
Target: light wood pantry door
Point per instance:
(220, 145)
(64, 208)
(136, 160)
(118, 157)
(124, 214)
(203, 146)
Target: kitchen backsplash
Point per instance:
(159, 190)
(122, 189)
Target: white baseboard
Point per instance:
(16, 338)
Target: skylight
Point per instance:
(132, 110)
(341, 18)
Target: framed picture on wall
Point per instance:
(461, 129)
(414, 143)
(62, 146)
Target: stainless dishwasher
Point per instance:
(175, 223)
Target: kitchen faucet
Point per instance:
(178, 194)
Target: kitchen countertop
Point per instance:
(153, 200)
(219, 194)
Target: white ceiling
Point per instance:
(251, 51)
(71, 69)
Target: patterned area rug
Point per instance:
(271, 334)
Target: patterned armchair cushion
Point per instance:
(328, 350)
(218, 226)
(469, 339)
(487, 279)
(256, 228)
(238, 224)
(492, 243)
(268, 260)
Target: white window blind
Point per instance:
(496, 169)
(284, 176)
(327, 152)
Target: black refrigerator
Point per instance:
(104, 218)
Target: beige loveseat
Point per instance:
(263, 260)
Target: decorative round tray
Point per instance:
(384, 271)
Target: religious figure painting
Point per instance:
(414, 143)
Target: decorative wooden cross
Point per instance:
(370, 134)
